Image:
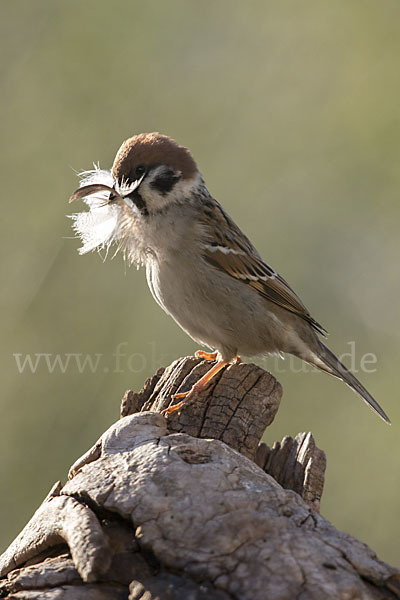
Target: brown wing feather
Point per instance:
(230, 251)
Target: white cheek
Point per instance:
(184, 188)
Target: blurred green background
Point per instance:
(292, 113)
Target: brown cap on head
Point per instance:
(152, 149)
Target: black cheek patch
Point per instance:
(165, 181)
(139, 202)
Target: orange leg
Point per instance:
(196, 388)
(213, 356)
(206, 355)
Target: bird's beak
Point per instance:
(93, 188)
(89, 190)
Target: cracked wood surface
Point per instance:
(297, 464)
(151, 512)
(237, 406)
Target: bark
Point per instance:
(193, 507)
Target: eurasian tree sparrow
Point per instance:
(201, 269)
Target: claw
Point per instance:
(184, 397)
(195, 389)
(173, 408)
(180, 395)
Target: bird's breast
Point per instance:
(185, 296)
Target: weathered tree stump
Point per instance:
(193, 507)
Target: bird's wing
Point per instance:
(230, 251)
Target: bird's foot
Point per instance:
(206, 355)
(186, 397)
(214, 356)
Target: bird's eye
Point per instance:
(140, 171)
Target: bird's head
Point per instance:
(159, 170)
(150, 174)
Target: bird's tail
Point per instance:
(327, 361)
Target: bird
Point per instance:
(202, 270)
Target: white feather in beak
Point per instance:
(97, 228)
